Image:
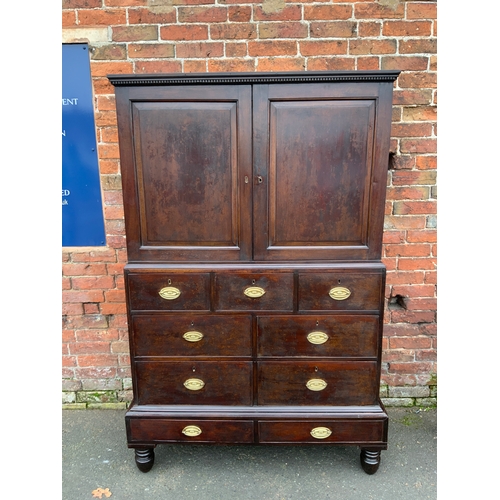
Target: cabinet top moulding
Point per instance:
(248, 78)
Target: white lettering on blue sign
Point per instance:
(70, 102)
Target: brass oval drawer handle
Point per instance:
(254, 292)
(317, 338)
(193, 336)
(316, 384)
(169, 293)
(321, 432)
(194, 384)
(191, 431)
(339, 293)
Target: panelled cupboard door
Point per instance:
(186, 167)
(320, 166)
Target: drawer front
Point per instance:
(325, 336)
(194, 382)
(170, 292)
(339, 291)
(254, 291)
(192, 430)
(191, 335)
(337, 431)
(317, 383)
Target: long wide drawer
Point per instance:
(323, 336)
(169, 292)
(317, 383)
(191, 335)
(194, 382)
(147, 430)
(336, 431)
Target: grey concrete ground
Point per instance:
(95, 455)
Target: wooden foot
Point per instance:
(370, 460)
(144, 458)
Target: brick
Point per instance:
(414, 207)
(394, 237)
(420, 113)
(412, 250)
(424, 10)
(239, 13)
(330, 63)
(272, 48)
(106, 119)
(201, 14)
(289, 13)
(92, 282)
(406, 28)
(134, 33)
(102, 86)
(113, 308)
(428, 236)
(89, 347)
(405, 264)
(377, 11)
(415, 277)
(367, 46)
(97, 372)
(127, 3)
(148, 16)
(418, 46)
(68, 361)
(408, 193)
(97, 360)
(418, 146)
(414, 291)
(283, 30)
(327, 12)
(81, 4)
(101, 17)
(184, 32)
(91, 308)
(405, 178)
(159, 66)
(418, 80)
(113, 212)
(400, 162)
(369, 29)
(368, 63)
(82, 296)
(108, 151)
(200, 49)
(112, 51)
(194, 66)
(317, 48)
(99, 256)
(405, 63)
(411, 367)
(236, 49)
(422, 304)
(411, 129)
(95, 335)
(151, 50)
(390, 262)
(215, 65)
(114, 295)
(68, 19)
(235, 31)
(281, 64)
(72, 309)
(103, 68)
(120, 347)
(84, 269)
(412, 97)
(340, 29)
(404, 222)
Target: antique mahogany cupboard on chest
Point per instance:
(254, 207)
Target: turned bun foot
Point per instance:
(144, 458)
(370, 461)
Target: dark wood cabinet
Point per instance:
(254, 206)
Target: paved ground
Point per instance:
(95, 455)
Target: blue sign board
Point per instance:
(82, 215)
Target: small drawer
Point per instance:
(322, 336)
(162, 430)
(337, 431)
(253, 291)
(340, 291)
(191, 335)
(170, 292)
(317, 383)
(194, 382)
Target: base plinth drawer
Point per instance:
(346, 431)
(254, 291)
(341, 335)
(317, 383)
(169, 292)
(195, 431)
(339, 291)
(191, 335)
(194, 382)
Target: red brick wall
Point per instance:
(147, 36)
